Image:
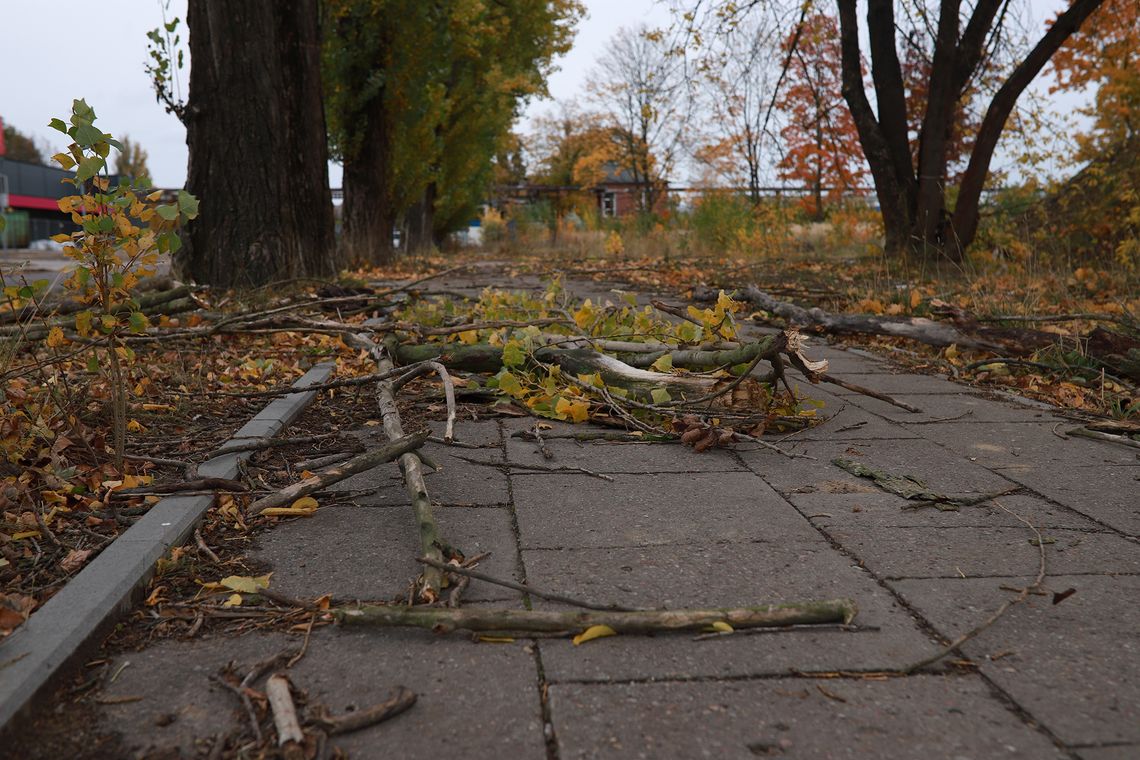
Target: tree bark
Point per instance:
(421, 222)
(369, 210)
(891, 188)
(443, 620)
(258, 150)
(929, 222)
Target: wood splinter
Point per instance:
(290, 738)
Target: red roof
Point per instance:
(32, 201)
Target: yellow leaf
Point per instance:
(895, 309)
(233, 601)
(594, 632)
(915, 299)
(304, 503)
(25, 534)
(135, 426)
(469, 337)
(56, 338)
(157, 408)
(722, 627)
(496, 639)
(245, 583)
(664, 362)
(287, 512)
(578, 411)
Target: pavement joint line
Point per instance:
(1006, 576)
(73, 620)
(1027, 489)
(1000, 694)
(549, 737)
(801, 675)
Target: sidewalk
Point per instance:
(727, 527)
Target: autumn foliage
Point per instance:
(821, 143)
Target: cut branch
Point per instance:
(410, 463)
(360, 463)
(444, 620)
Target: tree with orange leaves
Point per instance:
(1105, 54)
(822, 144)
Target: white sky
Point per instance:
(41, 77)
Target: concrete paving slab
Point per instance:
(344, 670)
(1074, 666)
(1004, 444)
(556, 510)
(892, 384)
(846, 422)
(1110, 495)
(994, 551)
(929, 716)
(966, 407)
(722, 575)
(611, 456)
(865, 506)
(943, 471)
(459, 482)
(1118, 752)
(368, 554)
(842, 363)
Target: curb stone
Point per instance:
(33, 656)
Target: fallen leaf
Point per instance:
(233, 601)
(594, 632)
(245, 583)
(74, 560)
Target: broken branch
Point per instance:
(645, 621)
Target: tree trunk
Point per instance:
(892, 189)
(913, 201)
(965, 219)
(928, 234)
(369, 215)
(258, 149)
(421, 222)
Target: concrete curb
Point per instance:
(91, 602)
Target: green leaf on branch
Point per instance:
(660, 396)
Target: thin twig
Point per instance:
(1021, 597)
(535, 467)
(526, 589)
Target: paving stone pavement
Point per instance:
(674, 528)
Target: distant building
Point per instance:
(33, 192)
(618, 194)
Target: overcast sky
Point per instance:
(41, 77)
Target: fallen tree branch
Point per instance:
(401, 700)
(197, 484)
(386, 453)
(918, 328)
(432, 581)
(444, 620)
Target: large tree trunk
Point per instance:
(258, 151)
(369, 215)
(913, 199)
(421, 222)
(965, 219)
